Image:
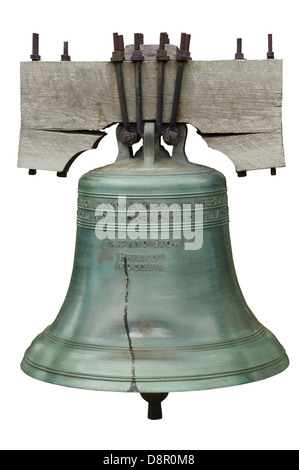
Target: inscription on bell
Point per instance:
(207, 215)
(206, 201)
(142, 243)
(140, 262)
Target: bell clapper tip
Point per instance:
(154, 404)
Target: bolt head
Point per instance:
(128, 138)
(171, 137)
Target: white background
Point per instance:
(38, 235)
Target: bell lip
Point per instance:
(174, 385)
(156, 384)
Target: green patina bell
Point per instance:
(154, 304)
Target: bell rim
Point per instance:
(172, 384)
(186, 360)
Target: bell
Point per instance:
(154, 305)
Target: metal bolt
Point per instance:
(185, 42)
(164, 39)
(137, 54)
(270, 53)
(118, 53)
(138, 40)
(128, 138)
(239, 54)
(35, 40)
(161, 52)
(171, 137)
(183, 53)
(65, 56)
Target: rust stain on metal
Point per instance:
(145, 328)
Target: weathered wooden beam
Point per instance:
(252, 151)
(235, 104)
(52, 150)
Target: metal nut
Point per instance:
(171, 137)
(128, 138)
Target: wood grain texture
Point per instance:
(235, 104)
(250, 151)
(52, 150)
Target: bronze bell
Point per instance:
(154, 305)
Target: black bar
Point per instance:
(35, 45)
(118, 59)
(137, 57)
(116, 42)
(35, 41)
(160, 97)
(163, 41)
(122, 95)
(177, 92)
(270, 53)
(181, 58)
(139, 110)
(138, 40)
(239, 55)
(161, 58)
(65, 56)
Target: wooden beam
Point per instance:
(235, 104)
